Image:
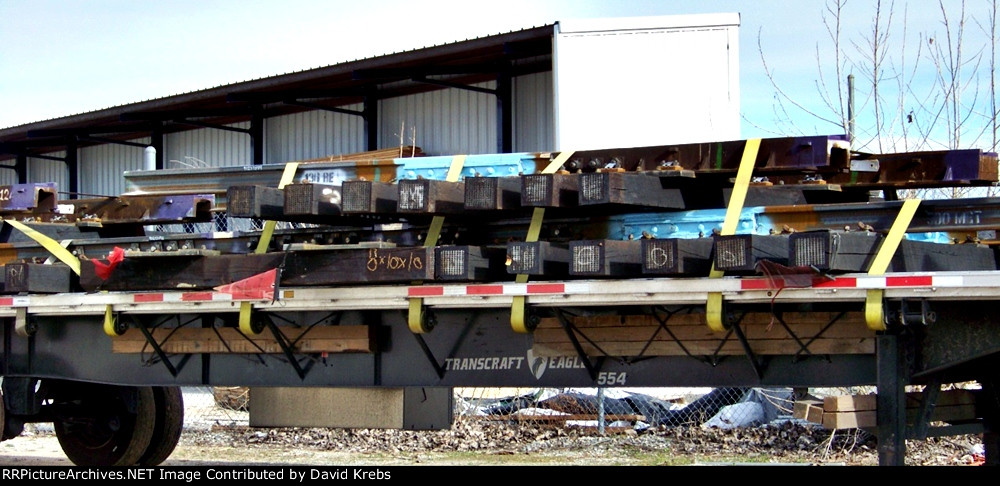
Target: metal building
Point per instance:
(608, 82)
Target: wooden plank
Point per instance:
(850, 403)
(793, 319)
(809, 410)
(163, 271)
(731, 347)
(868, 418)
(329, 339)
(492, 193)
(168, 271)
(403, 151)
(401, 264)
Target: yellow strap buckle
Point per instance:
(417, 320)
(519, 321)
(246, 326)
(874, 310)
(714, 306)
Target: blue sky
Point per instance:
(61, 57)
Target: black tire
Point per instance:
(100, 431)
(168, 427)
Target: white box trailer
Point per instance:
(639, 81)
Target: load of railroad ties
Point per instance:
(805, 205)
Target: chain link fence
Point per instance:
(619, 409)
(603, 410)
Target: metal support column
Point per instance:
(21, 167)
(990, 409)
(156, 141)
(891, 402)
(505, 113)
(371, 121)
(73, 167)
(257, 135)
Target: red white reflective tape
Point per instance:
(497, 289)
(182, 297)
(907, 281)
(21, 301)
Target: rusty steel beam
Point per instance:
(31, 199)
(148, 209)
(971, 214)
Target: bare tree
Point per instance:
(912, 95)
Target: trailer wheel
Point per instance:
(169, 423)
(99, 430)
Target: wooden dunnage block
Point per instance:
(739, 254)
(492, 193)
(37, 278)
(368, 197)
(677, 256)
(538, 258)
(425, 196)
(550, 190)
(255, 202)
(605, 258)
(637, 189)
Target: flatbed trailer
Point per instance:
(942, 331)
(104, 364)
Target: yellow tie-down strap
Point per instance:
(59, 251)
(713, 306)
(518, 320)
(415, 317)
(287, 176)
(874, 311)
(52, 246)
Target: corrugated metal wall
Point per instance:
(101, 167)
(441, 122)
(41, 170)
(207, 147)
(8, 176)
(534, 123)
(444, 122)
(313, 134)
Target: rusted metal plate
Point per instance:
(37, 198)
(150, 209)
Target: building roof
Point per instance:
(330, 87)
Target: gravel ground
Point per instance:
(217, 436)
(476, 442)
